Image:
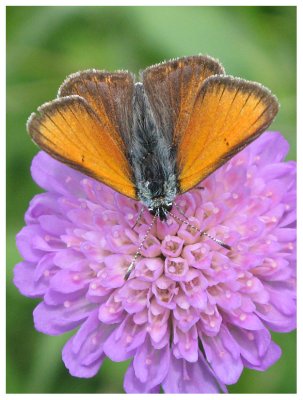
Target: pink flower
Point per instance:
(192, 314)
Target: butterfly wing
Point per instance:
(206, 117)
(227, 115)
(110, 95)
(172, 87)
(70, 130)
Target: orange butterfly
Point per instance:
(154, 139)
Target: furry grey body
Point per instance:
(152, 158)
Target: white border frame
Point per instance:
(3, 5)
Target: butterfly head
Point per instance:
(158, 196)
(161, 211)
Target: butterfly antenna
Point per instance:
(202, 233)
(138, 252)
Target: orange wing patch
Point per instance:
(70, 131)
(227, 115)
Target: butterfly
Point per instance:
(154, 139)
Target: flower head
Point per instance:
(192, 314)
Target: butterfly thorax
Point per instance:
(152, 159)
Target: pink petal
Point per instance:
(185, 377)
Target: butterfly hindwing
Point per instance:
(72, 132)
(109, 94)
(227, 115)
(172, 87)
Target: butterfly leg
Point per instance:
(138, 217)
(180, 210)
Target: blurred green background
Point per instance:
(44, 45)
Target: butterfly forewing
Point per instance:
(227, 115)
(172, 87)
(72, 132)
